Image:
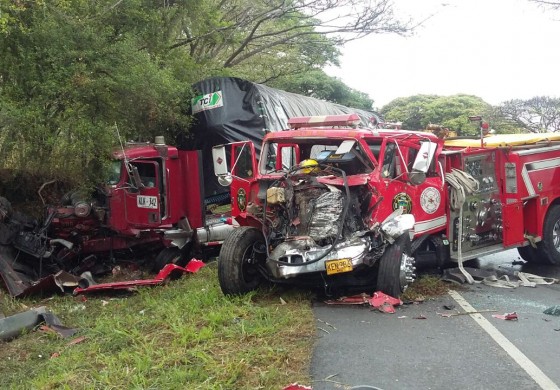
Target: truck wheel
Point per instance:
(396, 267)
(167, 256)
(237, 268)
(549, 248)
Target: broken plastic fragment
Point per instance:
(297, 386)
(506, 316)
(385, 303)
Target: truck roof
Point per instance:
(145, 150)
(348, 132)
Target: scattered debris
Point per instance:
(11, 327)
(491, 278)
(297, 386)
(385, 303)
(282, 301)
(402, 317)
(77, 340)
(465, 313)
(553, 311)
(379, 300)
(326, 323)
(193, 266)
(420, 317)
(449, 307)
(324, 330)
(507, 316)
(361, 299)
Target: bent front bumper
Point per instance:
(299, 256)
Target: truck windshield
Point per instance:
(114, 174)
(278, 157)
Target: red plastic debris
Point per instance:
(193, 266)
(507, 316)
(297, 386)
(385, 303)
(77, 340)
(361, 299)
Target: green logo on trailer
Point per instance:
(207, 102)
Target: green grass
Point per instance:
(426, 286)
(184, 335)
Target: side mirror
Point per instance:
(424, 157)
(221, 170)
(225, 180)
(135, 177)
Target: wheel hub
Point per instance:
(407, 269)
(556, 235)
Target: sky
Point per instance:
(494, 49)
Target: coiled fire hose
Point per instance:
(461, 184)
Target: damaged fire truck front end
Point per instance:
(313, 212)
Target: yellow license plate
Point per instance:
(338, 266)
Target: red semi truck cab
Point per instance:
(154, 196)
(333, 205)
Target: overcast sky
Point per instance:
(495, 49)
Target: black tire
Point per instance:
(237, 270)
(529, 254)
(548, 249)
(167, 256)
(390, 278)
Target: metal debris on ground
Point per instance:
(12, 326)
(507, 316)
(361, 299)
(193, 266)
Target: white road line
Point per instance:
(523, 361)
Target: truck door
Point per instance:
(395, 191)
(143, 200)
(244, 171)
(428, 196)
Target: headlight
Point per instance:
(82, 209)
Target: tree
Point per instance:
(70, 73)
(553, 5)
(416, 112)
(292, 35)
(318, 84)
(73, 71)
(538, 115)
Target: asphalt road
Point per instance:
(357, 346)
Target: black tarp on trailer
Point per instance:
(229, 109)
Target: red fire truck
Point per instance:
(332, 205)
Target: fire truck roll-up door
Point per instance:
(143, 205)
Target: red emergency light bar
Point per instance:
(351, 120)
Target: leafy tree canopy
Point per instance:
(539, 114)
(416, 112)
(73, 71)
